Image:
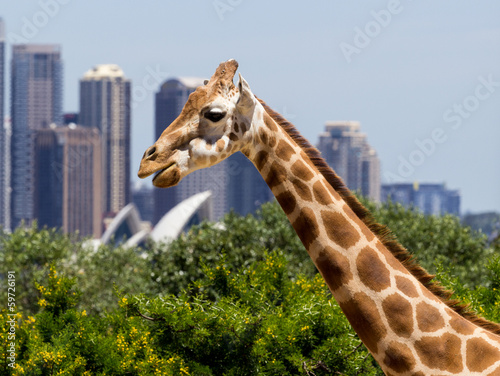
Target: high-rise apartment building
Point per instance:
(105, 96)
(36, 103)
(68, 175)
(169, 102)
(4, 158)
(347, 151)
(430, 199)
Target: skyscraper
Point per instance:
(431, 199)
(4, 169)
(36, 103)
(169, 102)
(68, 175)
(105, 104)
(347, 151)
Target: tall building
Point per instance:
(431, 199)
(36, 103)
(105, 104)
(4, 168)
(246, 189)
(169, 102)
(347, 151)
(68, 175)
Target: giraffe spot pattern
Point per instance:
(398, 356)
(272, 141)
(306, 226)
(213, 159)
(334, 267)
(365, 319)
(372, 271)
(302, 190)
(261, 159)
(364, 229)
(284, 150)
(233, 137)
(263, 136)
(339, 229)
(461, 325)
(442, 353)
(321, 194)
(220, 146)
(287, 202)
(300, 170)
(391, 259)
(269, 122)
(276, 175)
(406, 286)
(236, 127)
(480, 355)
(399, 313)
(429, 318)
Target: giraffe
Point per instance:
(407, 321)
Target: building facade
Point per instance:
(4, 158)
(68, 189)
(105, 96)
(430, 199)
(347, 151)
(36, 103)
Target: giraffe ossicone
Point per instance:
(405, 320)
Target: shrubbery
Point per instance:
(237, 298)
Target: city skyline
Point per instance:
(412, 86)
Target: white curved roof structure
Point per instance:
(174, 222)
(126, 224)
(103, 71)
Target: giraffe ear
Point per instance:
(246, 101)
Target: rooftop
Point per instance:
(104, 71)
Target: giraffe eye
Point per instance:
(215, 115)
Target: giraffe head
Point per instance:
(213, 124)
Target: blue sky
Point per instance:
(423, 78)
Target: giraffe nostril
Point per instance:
(150, 152)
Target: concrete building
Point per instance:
(4, 157)
(105, 104)
(347, 151)
(68, 189)
(431, 199)
(36, 103)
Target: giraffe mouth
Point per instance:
(167, 176)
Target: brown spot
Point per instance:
(339, 229)
(243, 127)
(236, 127)
(208, 146)
(429, 319)
(391, 259)
(365, 319)
(334, 268)
(263, 136)
(441, 353)
(302, 190)
(398, 356)
(270, 123)
(399, 314)
(406, 286)
(284, 150)
(271, 141)
(287, 202)
(496, 372)
(220, 146)
(364, 229)
(306, 227)
(261, 159)
(481, 355)
(321, 195)
(277, 175)
(233, 137)
(213, 159)
(372, 272)
(306, 159)
(300, 170)
(229, 147)
(461, 325)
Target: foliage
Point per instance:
(221, 300)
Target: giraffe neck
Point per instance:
(407, 328)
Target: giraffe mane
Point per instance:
(382, 232)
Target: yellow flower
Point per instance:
(42, 303)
